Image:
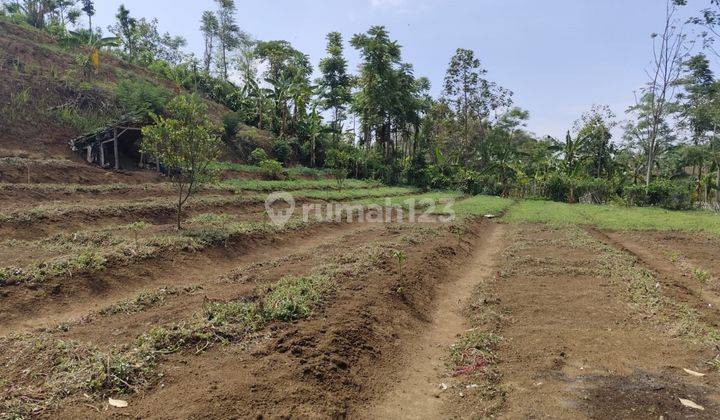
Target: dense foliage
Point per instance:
(382, 123)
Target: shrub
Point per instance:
(339, 162)
(557, 188)
(258, 155)
(272, 169)
(281, 150)
(672, 195)
(140, 95)
(231, 121)
(294, 297)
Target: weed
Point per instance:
(15, 107)
(146, 299)
(293, 297)
(701, 275)
(136, 227)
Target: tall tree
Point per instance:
(229, 34)
(376, 84)
(656, 101)
(335, 83)
(287, 71)
(463, 88)
(593, 129)
(89, 9)
(126, 29)
(477, 103)
(209, 27)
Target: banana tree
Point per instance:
(315, 129)
(572, 160)
(94, 45)
(280, 95)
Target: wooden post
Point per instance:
(115, 145)
(102, 155)
(89, 154)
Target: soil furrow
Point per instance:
(293, 259)
(572, 347)
(676, 284)
(75, 297)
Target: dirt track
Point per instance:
(416, 392)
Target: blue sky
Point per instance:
(558, 56)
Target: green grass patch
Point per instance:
(304, 184)
(354, 193)
(614, 217)
(295, 171)
(481, 205)
(406, 200)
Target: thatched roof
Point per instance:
(134, 120)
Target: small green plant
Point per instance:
(674, 256)
(401, 257)
(258, 155)
(715, 363)
(17, 103)
(272, 169)
(701, 275)
(138, 226)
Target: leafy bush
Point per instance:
(258, 155)
(339, 162)
(557, 187)
(438, 179)
(281, 150)
(272, 169)
(672, 195)
(231, 121)
(140, 95)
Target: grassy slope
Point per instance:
(38, 77)
(613, 217)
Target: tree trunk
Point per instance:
(648, 170)
(312, 151)
(717, 184)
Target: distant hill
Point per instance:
(48, 95)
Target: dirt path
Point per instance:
(416, 393)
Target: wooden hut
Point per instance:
(116, 145)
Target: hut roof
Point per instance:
(133, 120)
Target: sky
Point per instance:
(559, 57)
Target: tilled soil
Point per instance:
(586, 324)
(572, 344)
(61, 300)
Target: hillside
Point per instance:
(49, 96)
